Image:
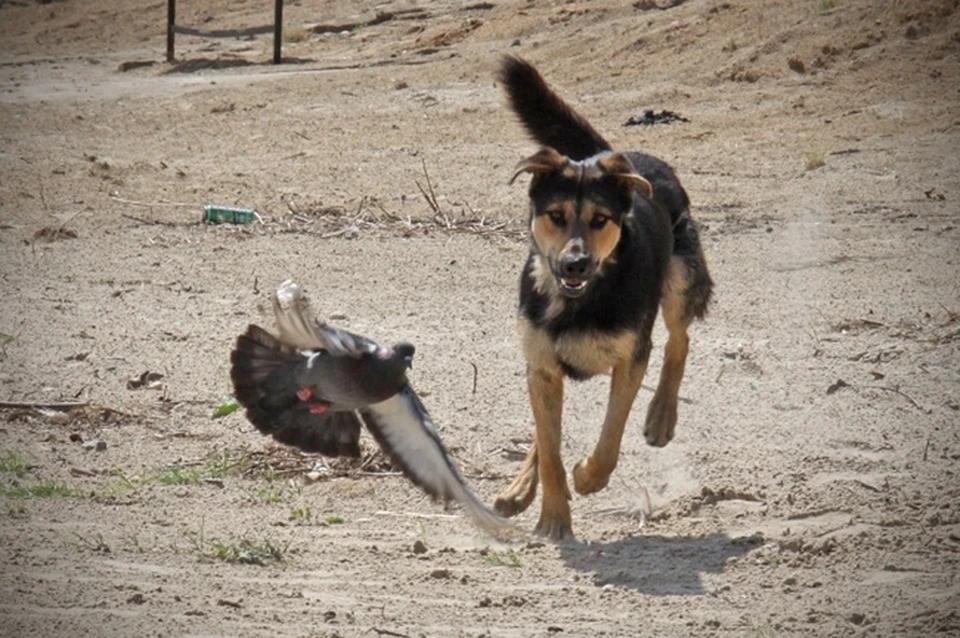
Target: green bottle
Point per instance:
(228, 214)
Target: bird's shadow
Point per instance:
(657, 565)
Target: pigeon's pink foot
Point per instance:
(304, 394)
(319, 407)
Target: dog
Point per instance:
(612, 244)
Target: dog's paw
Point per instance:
(661, 422)
(586, 477)
(516, 498)
(657, 435)
(556, 529)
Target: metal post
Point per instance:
(171, 20)
(277, 30)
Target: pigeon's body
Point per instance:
(314, 386)
(272, 372)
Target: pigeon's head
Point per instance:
(401, 354)
(405, 351)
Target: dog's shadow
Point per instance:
(656, 565)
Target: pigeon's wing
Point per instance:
(264, 372)
(298, 328)
(330, 433)
(404, 430)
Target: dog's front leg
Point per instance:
(546, 399)
(592, 473)
(518, 496)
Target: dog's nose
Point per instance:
(575, 266)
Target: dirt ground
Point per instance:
(812, 488)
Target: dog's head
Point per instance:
(577, 211)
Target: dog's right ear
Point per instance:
(546, 160)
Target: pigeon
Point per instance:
(314, 386)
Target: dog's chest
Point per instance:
(591, 353)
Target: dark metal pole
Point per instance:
(277, 30)
(171, 20)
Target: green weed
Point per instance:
(510, 559)
(44, 489)
(12, 462)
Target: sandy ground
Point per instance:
(812, 488)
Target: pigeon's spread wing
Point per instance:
(298, 328)
(264, 375)
(404, 430)
(330, 433)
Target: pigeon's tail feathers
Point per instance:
(406, 434)
(548, 119)
(264, 372)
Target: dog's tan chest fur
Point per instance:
(593, 353)
(589, 352)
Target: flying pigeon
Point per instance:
(313, 386)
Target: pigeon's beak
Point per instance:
(405, 350)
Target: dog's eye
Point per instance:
(558, 218)
(599, 221)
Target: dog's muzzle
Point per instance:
(573, 274)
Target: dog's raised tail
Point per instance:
(548, 119)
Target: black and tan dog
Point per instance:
(613, 243)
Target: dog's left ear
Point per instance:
(542, 162)
(619, 166)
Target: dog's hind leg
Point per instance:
(678, 312)
(592, 473)
(518, 496)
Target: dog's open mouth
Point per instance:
(572, 287)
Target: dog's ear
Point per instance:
(543, 161)
(618, 165)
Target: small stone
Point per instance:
(796, 65)
(138, 599)
(419, 547)
(485, 602)
(440, 573)
(790, 582)
(857, 618)
(95, 444)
